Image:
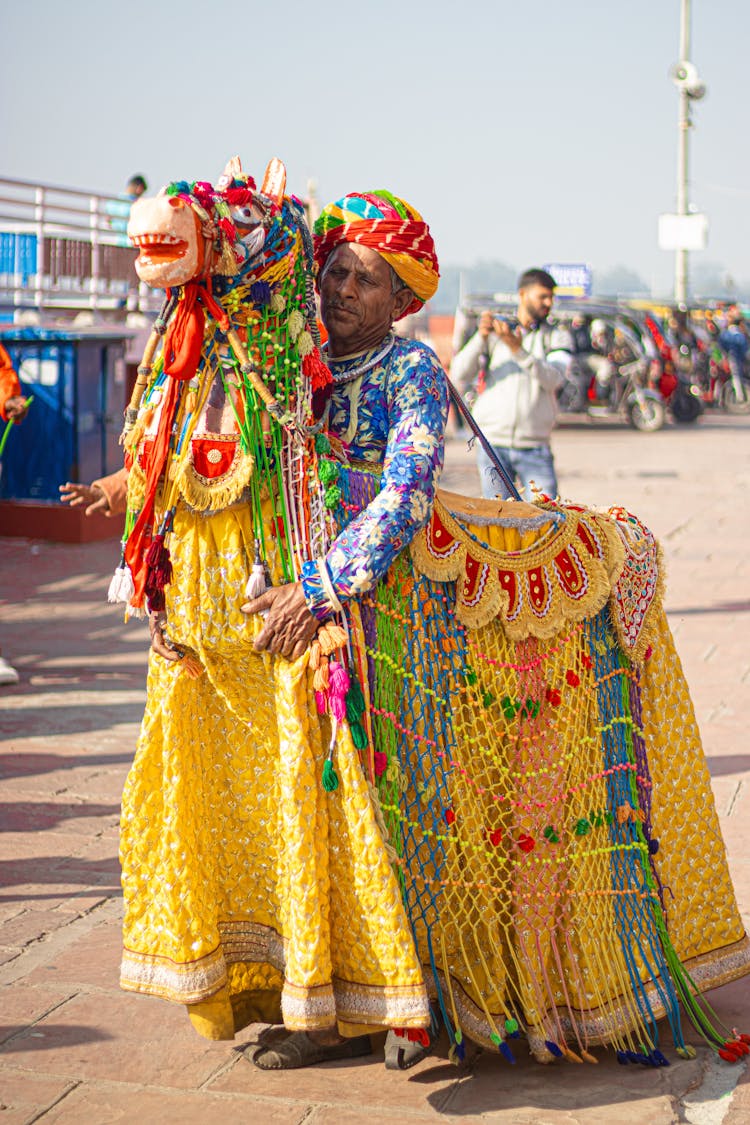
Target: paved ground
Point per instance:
(74, 1049)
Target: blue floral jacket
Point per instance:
(392, 417)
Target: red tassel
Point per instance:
(158, 573)
(238, 196)
(316, 371)
(159, 562)
(227, 227)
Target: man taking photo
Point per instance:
(516, 408)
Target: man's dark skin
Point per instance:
(16, 408)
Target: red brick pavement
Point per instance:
(74, 1048)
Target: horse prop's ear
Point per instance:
(274, 181)
(232, 171)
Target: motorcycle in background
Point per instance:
(629, 395)
(677, 374)
(628, 391)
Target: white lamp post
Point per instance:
(685, 230)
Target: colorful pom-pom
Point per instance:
(328, 471)
(509, 706)
(380, 762)
(260, 293)
(359, 737)
(330, 777)
(321, 702)
(530, 709)
(331, 496)
(507, 1054)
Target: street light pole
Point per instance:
(681, 256)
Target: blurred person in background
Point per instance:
(517, 406)
(734, 340)
(13, 408)
(597, 363)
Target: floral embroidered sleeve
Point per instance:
(416, 400)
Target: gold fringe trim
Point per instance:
(136, 486)
(564, 578)
(213, 493)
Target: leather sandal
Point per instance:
(299, 1050)
(402, 1053)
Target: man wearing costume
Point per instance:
(499, 763)
(535, 748)
(256, 880)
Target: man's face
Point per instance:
(536, 301)
(357, 302)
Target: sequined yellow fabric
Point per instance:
(692, 859)
(243, 879)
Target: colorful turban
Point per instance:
(389, 225)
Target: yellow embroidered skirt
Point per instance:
(250, 892)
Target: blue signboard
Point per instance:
(573, 279)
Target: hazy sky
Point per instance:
(527, 131)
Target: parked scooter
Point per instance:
(628, 395)
(725, 386)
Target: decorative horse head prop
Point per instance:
(231, 384)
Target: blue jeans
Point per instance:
(527, 465)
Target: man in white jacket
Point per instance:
(522, 366)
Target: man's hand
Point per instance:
(484, 327)
(16, 408)
(93, 496)
(289, 627)
(511, 337)
(157, 624)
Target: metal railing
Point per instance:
(66, 249)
